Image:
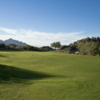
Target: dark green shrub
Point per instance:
(2, 46)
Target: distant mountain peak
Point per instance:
(12, 41)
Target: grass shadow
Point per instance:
(10, 50)
(9, 74)
(3, 56)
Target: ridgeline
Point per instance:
(92, 39)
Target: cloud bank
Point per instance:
(36, 38)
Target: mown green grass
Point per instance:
(26, 75)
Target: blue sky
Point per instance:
(41, 22)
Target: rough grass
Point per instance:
(48, 76)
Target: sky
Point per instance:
(41, 22)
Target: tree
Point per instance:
(56, 45)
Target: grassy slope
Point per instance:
(48, 76)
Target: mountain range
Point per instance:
(12, 41)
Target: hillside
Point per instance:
(94, 39)
(86, 46)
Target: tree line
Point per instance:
(17, 47)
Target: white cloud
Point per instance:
(40, 38)
(11, 31)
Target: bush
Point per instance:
(2, 46)
(71, 49)
(89, 48)
(11, 46)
